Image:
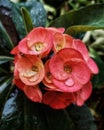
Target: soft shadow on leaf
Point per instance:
(2, 71)
(58, 119)
(81, 117)
(6, 19)
(4, 35)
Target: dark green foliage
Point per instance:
(13, 12)
(84, 19)
(81, 117)
(20, 113)
(55, 3)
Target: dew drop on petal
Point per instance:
(69, 82)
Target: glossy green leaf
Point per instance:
(6, 37)
(58, 119)
(5, 85)
(4, 59)
(84, 19)
(5, 3)
(37, 12)
(18, 20)
(81, 117)
(27, 20)
(4, 82)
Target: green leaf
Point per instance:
(2, 70)
(18, 20)
(11, 117)
(5, 3)
(4, 59)
(27, 19)
(74, 30)
(81, 117)
(37, 12)
(84, 19)
(5, 82)
(58, 119)
(6, 37)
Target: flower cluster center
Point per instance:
(34, 70)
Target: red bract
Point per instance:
(83, 94)
(54, 30)
(80, 46)
(66, 41)
(58, 100)
(47, 81)
(69, 70)
(61, 41)
(33, 93)
(19, 83)
(30, 69)
(37, 42)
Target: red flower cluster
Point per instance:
(58, 61)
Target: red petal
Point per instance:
(57, 62)
(19, 83)
(92, 65)
(65, 88)
(59, 42)
(83, 94)
(23, 46)
(80, 71)
(57, 100)
(80, 46)
(33, 93)
(26, 74)
(15, 51)
(68, 41)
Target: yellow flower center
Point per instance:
(58, 47)
(67, 69)
(29, 73)
(39, 46)
(35, 68)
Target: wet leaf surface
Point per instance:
(84, 19)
